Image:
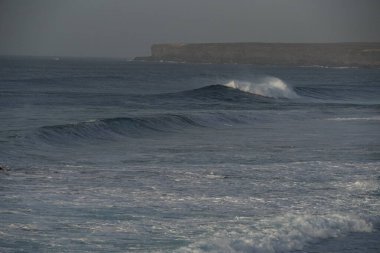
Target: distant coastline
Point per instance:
(363, 54)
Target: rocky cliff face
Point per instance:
(292, 54)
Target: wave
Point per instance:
(138, 127)
(114, 128)
(284, 234)
(273, 87)
(329, 67)
(272, 90)
(268, 87)
(218, 92)
(374, 118)
(326, 93)
(340, 94)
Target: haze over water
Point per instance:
(126, 29)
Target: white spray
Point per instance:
(267, 87)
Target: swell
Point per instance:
(136, 127)
(216, 92)
(347, 95)
(272, 90)
(114, 128)
(265, 90)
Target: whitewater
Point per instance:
(116, 156)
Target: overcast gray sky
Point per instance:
(127, 28)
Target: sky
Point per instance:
(127, 28)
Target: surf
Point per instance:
(281, 234)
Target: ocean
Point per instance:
(105, 155)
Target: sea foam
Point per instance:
(282, 234)
(373, 118)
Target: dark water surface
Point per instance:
(115, 156)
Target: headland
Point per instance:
(351, 54)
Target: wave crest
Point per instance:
(115, 128)
(137, 127)
(267, 87)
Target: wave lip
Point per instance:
(288, 233)
(272, 87)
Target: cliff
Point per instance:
(288, 54)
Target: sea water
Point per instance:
(118, 156)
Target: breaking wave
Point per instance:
(268, 87)
(272, 90)
(217, 92)
(288, 233)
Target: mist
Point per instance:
(118, 28)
